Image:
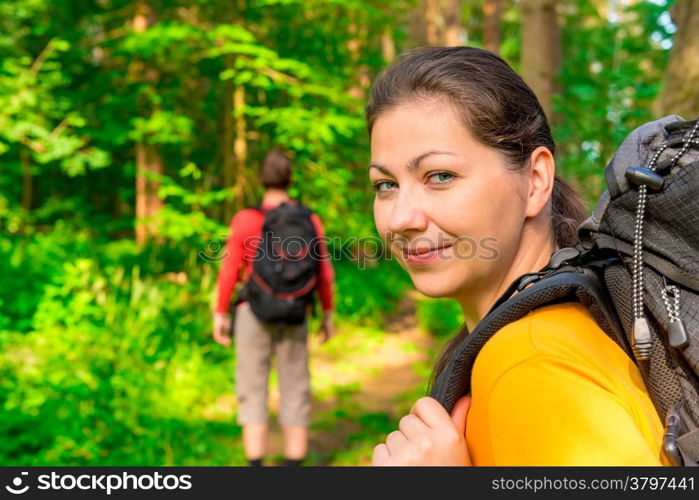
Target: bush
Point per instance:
(103, 365)
(440, 317)
(366, 296)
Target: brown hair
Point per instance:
(498, 109)
(275, 170)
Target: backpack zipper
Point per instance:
(677, 335)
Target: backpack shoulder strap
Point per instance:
(567, 284)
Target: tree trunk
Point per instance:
(388, 45)
(240, 146)
(148, 204)
(436, 23)
(358, 32)
(148, 159)
(492, 12)
(452, 23)
(541, 49)
(227, 144)
(680, 93)
(431, 21)
(230, 13)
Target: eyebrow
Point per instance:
(413, 163)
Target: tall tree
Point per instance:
(232, 144)
(492, 21)
(357, 30)
(436, 22)
(149, 162)
(541, 49)
(227, 152)
(680, 88)
(240, 145)
(388, 45)
(452, 22)
(432, 21)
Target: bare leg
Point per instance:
(295, 441)
(255, 441)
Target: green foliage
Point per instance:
(33, 117)
(440, 317)
(116, 368)
(162, 127)
(365, 296)
(607, 89)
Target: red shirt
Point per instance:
(246, 226)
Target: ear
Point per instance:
(542, 171)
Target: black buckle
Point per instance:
(529, 278)
(556, 261)
(560, 257)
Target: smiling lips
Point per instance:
(423, 255)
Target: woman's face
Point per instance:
(449, 208)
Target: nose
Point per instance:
(407, 216)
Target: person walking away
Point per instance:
(281, 270)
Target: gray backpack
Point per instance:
(636, 269)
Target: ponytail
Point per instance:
(567, 212)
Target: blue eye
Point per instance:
(383, 186)
(441, 177)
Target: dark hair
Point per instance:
(498, 109)
(275, 170)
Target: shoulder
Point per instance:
(247, 222)
(553, 389)
(247, 214)
(564, 332)
(550, 330)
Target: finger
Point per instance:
(460, 412)
(222, 339)
(431, 412)
(381, 455)
(411, 426)
(395, 441)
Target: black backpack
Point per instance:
(636, 269)
(285, 267)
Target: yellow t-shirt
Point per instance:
(553, 389)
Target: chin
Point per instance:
(434, 286)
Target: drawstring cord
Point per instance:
(641, 339)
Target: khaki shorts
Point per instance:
(256, 343)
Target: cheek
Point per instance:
(381, 214)
(460, 212)
(481, 214)
(499, 221)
